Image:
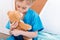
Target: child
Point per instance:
(29, 17)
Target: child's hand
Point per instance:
(16, 32)
(14, 25)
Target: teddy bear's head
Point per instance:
(14, 16)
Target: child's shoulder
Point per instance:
(32, 12)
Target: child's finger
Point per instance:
(16, 23)
(13, 23)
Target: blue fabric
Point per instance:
(8, 25)
(10, 38)
(32, 18)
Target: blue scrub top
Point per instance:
(32, 18)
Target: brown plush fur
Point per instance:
(15, 16)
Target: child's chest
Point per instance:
(27, 19)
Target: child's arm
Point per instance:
(29, 34)
(24, 33)
(13, 25)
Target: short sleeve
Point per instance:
(8, 25)
(36, 22)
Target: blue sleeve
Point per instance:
(8, 25)
(36, 23)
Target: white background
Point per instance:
(50, 15)
(5, 6)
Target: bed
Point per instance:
(48, 36)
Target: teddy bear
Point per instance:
(15, 16)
